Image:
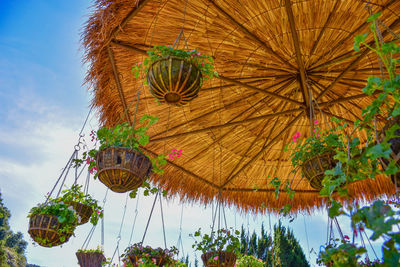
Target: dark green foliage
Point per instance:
(281, 250)
(12, 246)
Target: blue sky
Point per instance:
(42, 107)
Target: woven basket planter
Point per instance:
(395, 146)
(122, 169)
(43, 229)
(91, 259)
(315, 167)
(84, 211)
(160, 261)
(174, 80)
(225, 259)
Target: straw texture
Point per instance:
(271, 56)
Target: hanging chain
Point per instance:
(162, 220)
(120, 230)
(134, 220)
(151, 213)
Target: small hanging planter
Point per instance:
(122, 169)
(175, 76)
(315, 167)
(395, 146)
(83, 204)
(90, 259)
(84, 211)
(137, 254)
(219, 259)
(219, 249)
(174, 80)
(45, 230)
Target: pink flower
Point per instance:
(316, 122)
(215, 258)
(314, 131)
(202, 63)
(98, 212)
(346, 237)
(298, 134)
(198, 54)
(139, 63)
(195, 63)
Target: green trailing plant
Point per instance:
(319, 142)
(202, 62)
(221, 240)
(98, 249)
(125, 135)
(148, 256)
(75, 194)
(65, 214)
(249, 261)
(358, 162)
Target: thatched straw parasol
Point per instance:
(269, 56)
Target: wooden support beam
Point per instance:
(226, 125)
(354, 62)
(181, 168)
(140, 4)
(350, 35)
(345, 99)
(350, 66)
(299, 58)
(118, 82)
(254, 110)
(321, 33)
(251, 35)
(129, 47)
(271, 142)
(218, 109)
(245, 85)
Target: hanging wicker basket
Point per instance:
(90, 259)
(315, 167)
(122, 169)
(43, 230)
(395, 146)
(225, 259)
(159, 261)
(84, 211)
(174, 80)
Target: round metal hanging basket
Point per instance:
(91, 259)
(225, 259)
(395, 146)
(122, 169)
(174, 80)
(43, 230)
(315, 167)
(160, 261)
(84, 211)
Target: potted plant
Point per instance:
(219, 248)
(118, 162)
(91, 257)
(175, 76)
(84, 205)
(139, 255)
(52, 223)
(249, 261)
(315, 154)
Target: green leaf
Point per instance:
(358, 40)
(373, 17)
(335, 209)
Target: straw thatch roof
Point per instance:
(267, 53)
